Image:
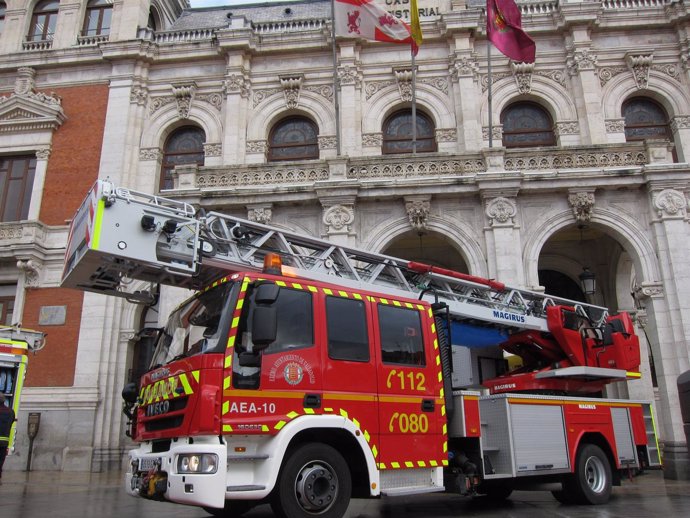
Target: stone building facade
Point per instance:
(528, 173)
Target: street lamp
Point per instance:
(588, 281)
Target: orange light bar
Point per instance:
(273, 264)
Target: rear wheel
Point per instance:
(314, 481)
(591, 482)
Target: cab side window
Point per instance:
(295, 321)
(401, 335)
(346, 320)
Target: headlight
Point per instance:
(197, 463)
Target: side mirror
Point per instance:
(264, 326)
(266, 293)
(130, 393)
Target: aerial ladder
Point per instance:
(119, 235)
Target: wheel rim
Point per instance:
(595, 474)
(316, 486)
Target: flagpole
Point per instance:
(414, 103)
(336, 89)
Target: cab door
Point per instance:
(349, 362)
(411, 408)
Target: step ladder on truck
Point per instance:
(305, 373)
(15, 345)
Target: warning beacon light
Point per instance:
(273, 264)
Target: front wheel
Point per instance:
(591, 482)
(314, 481)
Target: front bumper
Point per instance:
(155, 475)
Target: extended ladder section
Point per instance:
(119, 236)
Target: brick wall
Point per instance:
(54, 365)
(76, 152)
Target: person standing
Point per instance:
(7, 418)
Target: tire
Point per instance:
(314, 481)
(232, 509)
(591, 483)
(496, 491)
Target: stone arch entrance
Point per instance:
(430, 248)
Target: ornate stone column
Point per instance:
(502, 232)
(464, 75)
(237, 89)
(665, 301)
(350, 80)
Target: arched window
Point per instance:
(98, 16)
(527, 124)
(152, 22)
(3, 8)
(397, 133)
(294, 138)
(645, 119)
(184, 146)
(43, 21)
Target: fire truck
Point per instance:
(15, 345)
(304, 373)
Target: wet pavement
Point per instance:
(100, 495)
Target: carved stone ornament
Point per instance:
(291, 87)
(496, 132)
(138, 95)
(646, 290)
(680, 122)
(639, 66)
(260, 214)
(372, 87)
(327, 142)
(372, 139)
(213, 149)
(149, 153)
(237, 84)
(215, 100)
(463, 67)
(338, 218)
(670, 204)
(581, 59)
(404, 78)
(501, 211)
(32, 271)
(608, 73)
(183, 96)
(43, 153)
(256, 146)
(11, 232)
(418, 213)
(523, 76)
(322, 90)
(615, 125)
(349, 75)
(27, 110)
(567, 128)
(446, 135)
(582, 204)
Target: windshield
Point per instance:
(195, 327)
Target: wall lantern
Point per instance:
(588, 281)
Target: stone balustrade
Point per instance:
(428, 165)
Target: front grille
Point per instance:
(164, 424)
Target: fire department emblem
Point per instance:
(293, 373)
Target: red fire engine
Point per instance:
(303, 373)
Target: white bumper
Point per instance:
(164, 482)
